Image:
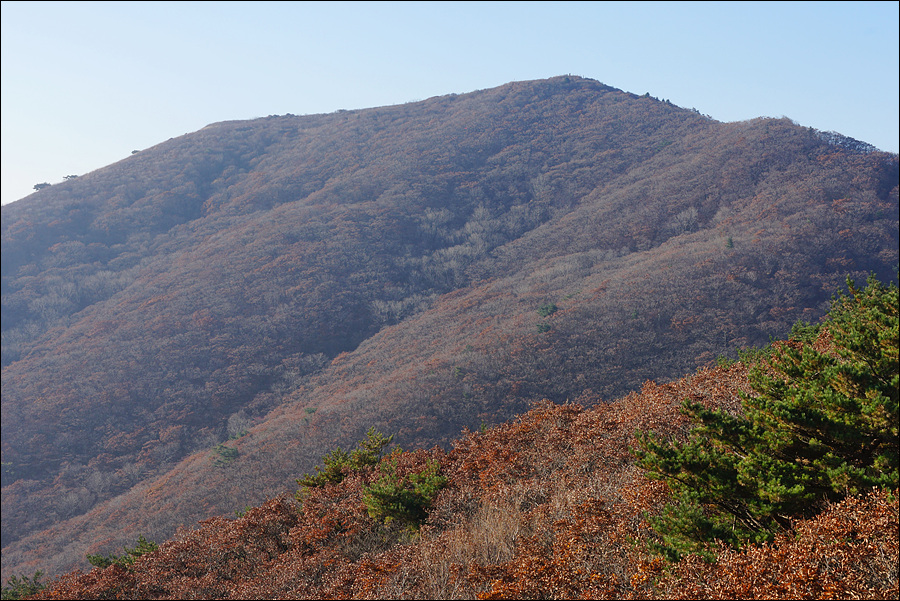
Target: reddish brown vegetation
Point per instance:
(303, 278)
(848, 552)
(547, 506)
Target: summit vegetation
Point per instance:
(189, 331)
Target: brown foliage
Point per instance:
(850, 551)
(304, 278)
(547, 506)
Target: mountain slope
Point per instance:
(549, 505)
(291, 281)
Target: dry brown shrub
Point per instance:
(848, 552)
(549, 505)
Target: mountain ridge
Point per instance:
(212, 283)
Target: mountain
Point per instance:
(187, 331)
(551, 505)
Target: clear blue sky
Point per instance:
(85, 83)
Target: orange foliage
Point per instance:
(559, 515)
(295, 280)
(850, 551)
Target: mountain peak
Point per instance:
(275, 287)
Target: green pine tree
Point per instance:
(338, 462)
(403, 499)
(21, 587)
(822, 423)
(142, 547)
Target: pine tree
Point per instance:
(821, 424)
(404, 499)
(339, 463)
(22, 587)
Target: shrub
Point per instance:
(225, 455)
(142, 547)
(849, 551)
(22, 587)
(547, 309)
(404, 498)
(338, 463)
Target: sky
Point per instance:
(85, 83)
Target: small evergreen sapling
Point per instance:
(22, 587)
(338, 463)
(404, 499)
(142, 547)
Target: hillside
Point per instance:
(554, 504)
(188, 330)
